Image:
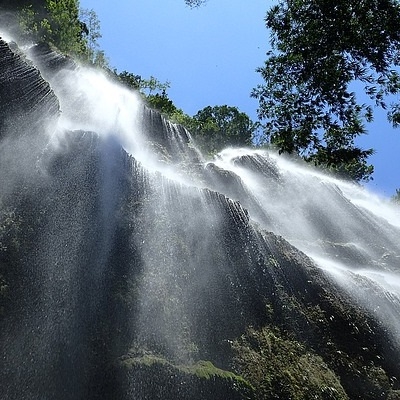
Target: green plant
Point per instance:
(280, 367)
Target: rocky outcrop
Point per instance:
(27, 101)
(152, 377)
(117, 282)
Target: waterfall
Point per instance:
(350, 233)
(133, 268)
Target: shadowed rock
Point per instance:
(118, 282)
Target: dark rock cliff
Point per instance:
(27, 102)
(118, 283)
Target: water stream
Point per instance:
(131, 239)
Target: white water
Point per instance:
(298, 186)
(175, 245)
(376, 290)
(351, 233)
(301, 203)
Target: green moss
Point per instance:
(280, 367)
(201, 369)
(154, 375)
(207, 370)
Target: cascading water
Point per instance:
(130, 264)
(351, 233)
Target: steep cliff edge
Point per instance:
(119, 281)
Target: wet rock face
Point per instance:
(49, 61)
(261, 164)
(121, 283)
(156, 378)
(27, 101)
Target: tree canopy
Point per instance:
(217, 127)
(57, 23)
(320, 48)
(60, 23)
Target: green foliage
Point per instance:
(346, 162)
(65, 28)
(158, 100)
(150, 376)
(280, 367)
(57, 23)
(220, 126)
(162, 103)
(145, 86)
(212, 127)
(61, 24)
(179, 117)
(320, 49)
(201, 369)
(394, 395)
(129, 79)
(207, 370)
(90, 28)
(148, 86)
(30, 24)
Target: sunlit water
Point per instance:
(350, 233)
(347, 230)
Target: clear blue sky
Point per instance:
(209, 55)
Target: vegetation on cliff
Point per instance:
(282, 368)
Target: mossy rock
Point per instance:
(153, 377)
(280, 367)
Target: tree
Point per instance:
(195, 3)
(129, 79)
(320, 48)
(90, 28)
(148, 86)
(162, 103)
(158, 100)
(145, 86)
(214, 128)
(56, 23)
(62, 24)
